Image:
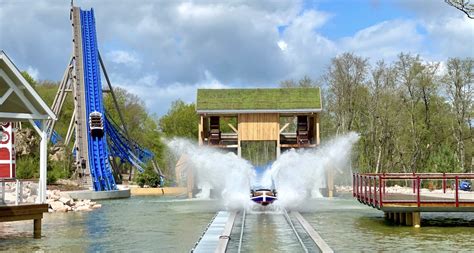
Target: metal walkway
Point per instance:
(217, 236)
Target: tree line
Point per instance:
(412, 115)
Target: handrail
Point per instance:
(18, 188)
(370, 188)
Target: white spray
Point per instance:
(299, 173)
(214, 169)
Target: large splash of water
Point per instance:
(296, 174)
(300, 174)
(224, 173)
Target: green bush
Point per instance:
(148, 177)
(57, 170)
(27, 167)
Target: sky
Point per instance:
(166, 50)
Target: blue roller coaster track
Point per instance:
(100, 169)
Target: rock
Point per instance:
(96, 206)
(56, 206)
(83, 208)
(66, 201)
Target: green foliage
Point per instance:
(410, 119)
(444, 160)
(148, 177)
(28, 78)
(180, 121)
(27, 167)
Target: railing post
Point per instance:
(17, 191)
(21, 191)
(457, 191)
(365, 188)
(3, 191)
(381, 184)
(414, 183)
(353, 185)
(418, 188)
(444, 182)
(370, 190)
(384, 183)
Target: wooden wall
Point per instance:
(259, 127)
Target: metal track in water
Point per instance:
(310, 232)
(217, 235)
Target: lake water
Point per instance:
(163, 224)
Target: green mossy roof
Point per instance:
(258, 99)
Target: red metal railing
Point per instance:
(411, 188)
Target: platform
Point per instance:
(422, 192)
(98, 195)
(25, 212)
(217, 234)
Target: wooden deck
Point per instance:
(25, 212)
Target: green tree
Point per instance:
(180, 121)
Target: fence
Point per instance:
(17, 191)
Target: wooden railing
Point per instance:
(380, 189)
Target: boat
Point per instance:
(263, 197)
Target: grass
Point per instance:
(258, 99)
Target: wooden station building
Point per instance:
(259, 121)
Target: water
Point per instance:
(138, 224)
(348, 226)
(159, 224)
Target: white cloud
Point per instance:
(33, 72)
(385, 40)
(282, 45)
(122, 57)
(165, 50)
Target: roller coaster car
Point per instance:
(263, 197)
(96, 124)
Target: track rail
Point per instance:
(311, 233)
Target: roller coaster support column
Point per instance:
(114, 98)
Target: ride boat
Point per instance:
(263, 197)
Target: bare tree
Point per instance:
(460, 89)
(346, 75)
(462, 5)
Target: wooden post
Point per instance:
(403, 218)
(200, 131)
(396, 218)
(330, 183)
(37, 228)
(317, 129)
(278, 151)
(409, 219)
(416, 219)
(239, 135)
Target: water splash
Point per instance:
(300, 174)
(296, 174)
(224, 173)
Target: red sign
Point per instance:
(7, 151)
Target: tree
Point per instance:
(180, 121)
(459, 86)
(463, 5)
(346, 79)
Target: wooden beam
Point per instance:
(233, 128)
(201, 130)
(318, 140)
(284, 127)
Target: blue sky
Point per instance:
(165, 50)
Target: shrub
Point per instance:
(27, 167)
(148, 177)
